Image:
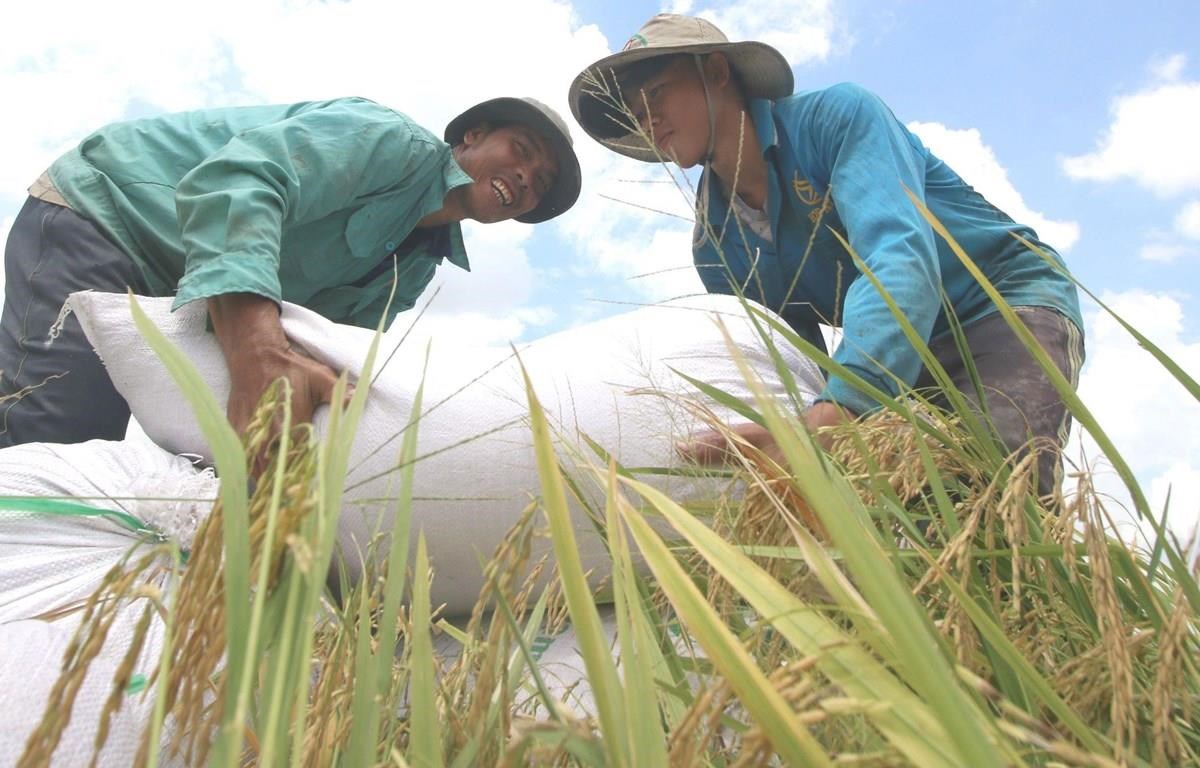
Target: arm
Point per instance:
(257, 353)
(234, 207)
(711, 447)
(869, 159)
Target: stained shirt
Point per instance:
(838, 165)
(314, 203)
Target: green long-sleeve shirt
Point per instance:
(302, 202)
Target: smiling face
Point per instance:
(512, 165)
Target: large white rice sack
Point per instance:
(605, 380)
(53, 559)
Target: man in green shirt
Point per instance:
(324, 204)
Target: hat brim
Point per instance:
(595, 98)
(565, 190)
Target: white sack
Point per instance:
(477, 472)
(51, 563)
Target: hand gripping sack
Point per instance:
(615, 382)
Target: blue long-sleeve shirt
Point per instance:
(839, 161)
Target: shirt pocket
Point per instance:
(378, 228)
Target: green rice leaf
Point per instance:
(918, 654)
(425, 732)
(1076, 406)
(639, 653)
(602, 673)
(761, 700)
(905, 720)
(230, 460)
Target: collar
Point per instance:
(451, 246)
(457, 253)
(439, 243)
(763, 114)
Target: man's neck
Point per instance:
(749, 169)
(450, 212)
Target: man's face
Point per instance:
(671, 108)
(513, 167)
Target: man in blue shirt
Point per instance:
(787, 177)
(327, 204)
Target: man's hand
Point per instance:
(712, 448)
(825, 414)
(257, 353)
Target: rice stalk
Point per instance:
(124, 583)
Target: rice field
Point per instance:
(904, 599)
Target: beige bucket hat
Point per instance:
(594, 96)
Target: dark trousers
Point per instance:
(56, 390)
(1018, 396)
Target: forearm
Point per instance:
(251, 337)
(246, 325)
(875, 348)
(257, 353)
(872, 163)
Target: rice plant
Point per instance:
(903, 599)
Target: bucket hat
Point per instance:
(594, 96)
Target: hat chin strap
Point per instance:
(702, 198)
(712, 111)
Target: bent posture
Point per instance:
(325, 204)
(786, 175)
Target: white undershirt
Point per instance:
(756, 220)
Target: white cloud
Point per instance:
(1187, 223)
(68, 68)
(1152, 421)
(457, 333)
(1170, 68)
(971, 158)
(633, 224)
(501, 277)
(1178, 485)
(489, 305)
(802, 30)
(1152, 137)
(1165, 252)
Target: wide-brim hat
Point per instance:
(549, 125)
(595, 96)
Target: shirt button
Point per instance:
(390, 246)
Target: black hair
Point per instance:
(604, 109)
(636, 74)
(607, 118)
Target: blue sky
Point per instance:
(1077, 117)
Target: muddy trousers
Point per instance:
(56, 390)
(1018, 396)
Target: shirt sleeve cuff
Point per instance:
(841, 393)
(229, 274)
